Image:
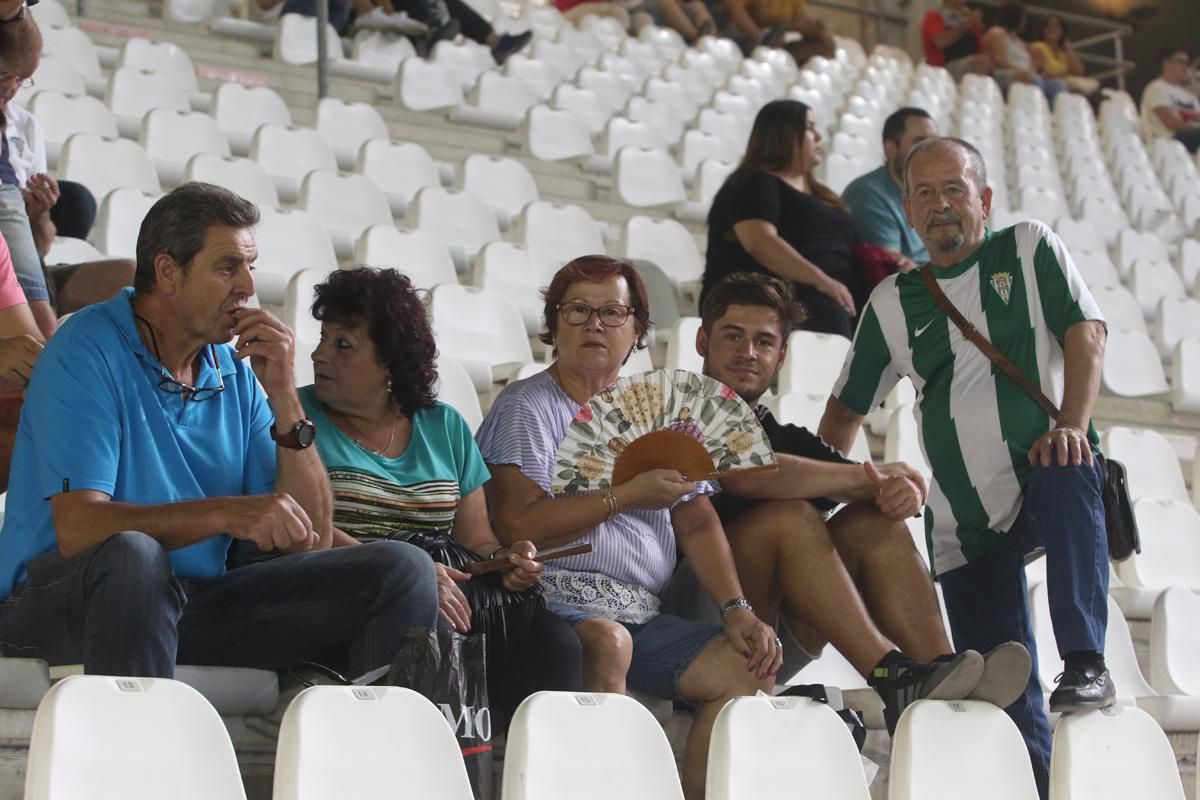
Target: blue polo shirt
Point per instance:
(875, 203)
(94, 418)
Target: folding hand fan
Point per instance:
(660, 420)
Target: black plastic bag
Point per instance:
(451, 671)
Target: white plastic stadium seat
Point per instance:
(1121, 309)
(481, 331)
(73, 45)
(550, 134)
(110, 738)
(55, 73)
(461, 220)
(172, 137)
(752, 753)
(466, 61)
(66, 250)
(1170, 534)
(668, 244)
(401, 169)
(240, 110)
(647, 178)
(165, 57)
(503, 183)
(456, 390)
(133, 92)
(296, 40)
(1185, 377)
(1153, 466)
(425, 86)
(805, 410)
(543, 762)
(62, 115)
(118, 221)
(561, 230)
(1175, 642)
(507, 270)
(288, 241)
(297, 315)
(584, 104)
(1151, 282)
(418, 254)
(345, 204)
(1112, 754)
(936, 754)
(105, 164)
(345, 126)
(813, 362)
(289, 153)
(681, 346)
(1176, 318)
(367, 741)
(239, 175)
(1132, 366)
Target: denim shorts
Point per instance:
(14, 226)
(663, 649)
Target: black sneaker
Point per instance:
(1083, 685)
(510, 43)
(901, 681)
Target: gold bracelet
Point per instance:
(610, 504)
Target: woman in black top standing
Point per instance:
(772, 215)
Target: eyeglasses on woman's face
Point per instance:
(611, 315)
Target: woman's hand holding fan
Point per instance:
(659, 421)
(653, 489)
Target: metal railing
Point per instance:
(1109, 35)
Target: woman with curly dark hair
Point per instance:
(404, 466)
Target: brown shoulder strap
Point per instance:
(972, 334)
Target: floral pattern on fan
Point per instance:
(694, 423)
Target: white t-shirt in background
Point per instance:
(1159, 93)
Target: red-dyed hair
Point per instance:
(596, 269)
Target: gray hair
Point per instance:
(179, 221)
(975, 164)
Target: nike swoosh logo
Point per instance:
(922, 329)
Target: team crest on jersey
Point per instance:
(1002, 283)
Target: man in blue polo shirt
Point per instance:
(874, 198)
(147, 443)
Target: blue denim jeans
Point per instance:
(987, 600)
(14, 227)
(119, 609)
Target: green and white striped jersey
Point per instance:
(1022, 291)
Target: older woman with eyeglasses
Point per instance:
(597, 314)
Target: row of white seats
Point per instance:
(162, 738)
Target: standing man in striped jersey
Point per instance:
(1007, 479)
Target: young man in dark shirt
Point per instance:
(823, 577)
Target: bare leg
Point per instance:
(95, 282)
(673, 16)
(576, 14)
(884, 563)
(701, 18)
(785, 558)
(607, 651)
(44, 316)
(714, 678)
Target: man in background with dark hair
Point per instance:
(1168, 108)
(875, 198)
(148, 443)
